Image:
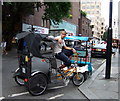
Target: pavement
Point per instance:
(97, 87)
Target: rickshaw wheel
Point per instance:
(78, 79)
(37, 84)
(18, 79)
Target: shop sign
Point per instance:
(69, 27)
(37, 29)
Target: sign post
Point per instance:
(109, 44)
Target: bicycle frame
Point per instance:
(69, 71)
(58, 75)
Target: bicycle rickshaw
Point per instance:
(30, 50)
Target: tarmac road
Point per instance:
(11, 90)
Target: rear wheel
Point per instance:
(78, 79)
(37, 84)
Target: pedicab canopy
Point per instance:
(29, 42)
(76, 38)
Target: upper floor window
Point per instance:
(83, 22)
(83, 7)
(97, 6)
(92, 7)
(97, 12)
(88, 12)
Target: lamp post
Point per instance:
(109, 44)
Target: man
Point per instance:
(3, 45)
(61, 51)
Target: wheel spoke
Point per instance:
(78, 79)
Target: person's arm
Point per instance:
(58, 39)
(69, 48)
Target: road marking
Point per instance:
(56, 96)
(56, 87)
(103, 61)
(19, 94)
(1, 98)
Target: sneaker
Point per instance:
(62, 66)
(59, 70)
(66, 81)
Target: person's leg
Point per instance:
(4, 51)
(64, 58)
(67, 52)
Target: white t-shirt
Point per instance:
(3, 44)
(58, 46)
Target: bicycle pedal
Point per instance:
(66, 81)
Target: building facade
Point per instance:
(37, 19)
(72, 22)
(70, 25)
(115, 28)
(93, 10)
(102, 27)
(84, 27)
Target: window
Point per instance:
(83, 30)
(97, 23)
(92, 7)
(83, 22)
(97, 12)
(83, 7)
(88, 24)
(83, 2)
(92, 12)
(97, 17)
(97, 6)
(92, 26)
(88, 7)
(88, 12)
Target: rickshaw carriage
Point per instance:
(82, 57)
(30, 50)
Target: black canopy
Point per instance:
(32, 40)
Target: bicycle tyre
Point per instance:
(76, 81)
(37, 84)
(18, 79)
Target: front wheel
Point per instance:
(78, 79)
(37, 84)
(19, 78)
